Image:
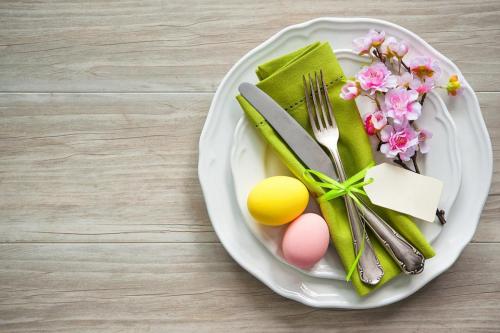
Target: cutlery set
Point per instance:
(307, 149)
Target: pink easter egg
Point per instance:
(305, 241)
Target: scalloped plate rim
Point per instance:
(208, 159)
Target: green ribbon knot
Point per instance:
(351, 187)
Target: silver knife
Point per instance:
(410, 260)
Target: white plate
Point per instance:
(218, 188)
(252, 160)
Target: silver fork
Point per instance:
(327, 133)
(325, 129)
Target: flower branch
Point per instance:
(399, 97)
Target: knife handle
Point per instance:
(409, 259)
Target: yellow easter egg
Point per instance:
(277, 200)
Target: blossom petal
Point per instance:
(385, 133)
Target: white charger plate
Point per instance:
(252, 160)
(218, 188)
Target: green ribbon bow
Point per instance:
(351, 187)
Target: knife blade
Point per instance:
(297, 138)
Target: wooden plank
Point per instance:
(489, 103)
(197, 287)
(487, 230)
(123, 168)
(102, 168)
(119, 46)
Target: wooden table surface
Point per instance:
(102, 223)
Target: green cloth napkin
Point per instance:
(281, 78)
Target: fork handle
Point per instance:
(369, 268)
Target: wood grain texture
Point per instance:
(163, 45)
(123, 168)
(100, 168)
(102, 223)
(197, 287)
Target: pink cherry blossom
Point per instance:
(423, 136)
(394, 48)
(350, 90)
(374, 122)
(401, 49)
(362, 45)
(375, 78)
(425, 67)
(405, 79)
(401, 104)
(385, 47)
(422, 86)
(399, 140)
(377, 38)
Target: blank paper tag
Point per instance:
(404, 191)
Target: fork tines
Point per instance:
(320, 116)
